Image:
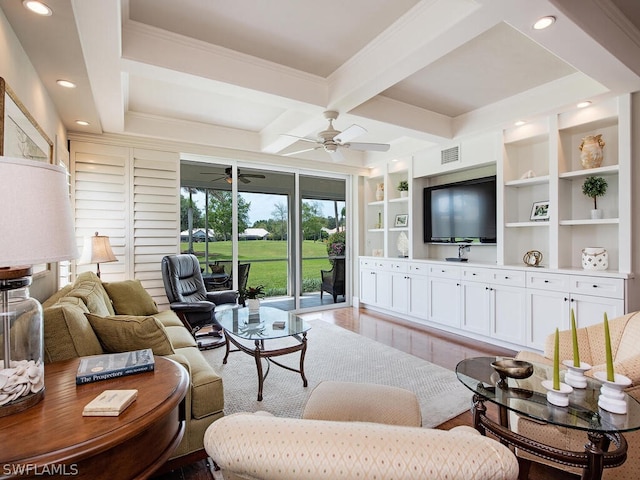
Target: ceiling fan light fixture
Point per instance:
(66, 83)
(229, 180)
(37, 7)
(584, 104)
(544, 22)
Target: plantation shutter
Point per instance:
(131, 195)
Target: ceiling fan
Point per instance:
(332, 140)
(228, 176)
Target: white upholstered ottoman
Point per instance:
(363, 402)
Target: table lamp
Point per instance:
(97, 249)
(37, 228)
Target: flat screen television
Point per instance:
(461, 212)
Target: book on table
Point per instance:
(109, 403)
(106, 366)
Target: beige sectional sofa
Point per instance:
(90, 317)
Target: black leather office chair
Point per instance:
(190, 300)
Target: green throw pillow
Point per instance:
(130, 298)
(124, 333)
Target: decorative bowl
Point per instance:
(512, 368)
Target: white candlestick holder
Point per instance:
(612, 397)
(559, 398)
(575, 375)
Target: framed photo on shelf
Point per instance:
(402, 220)
(540, 211)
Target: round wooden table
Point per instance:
(53, 439)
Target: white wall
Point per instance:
(19, 74)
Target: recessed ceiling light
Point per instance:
(66, 84)
(544, 22)
(519, 123)
(584, 104)
(82, 122)
(37, 7)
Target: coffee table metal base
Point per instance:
(593, 460)
(259, 352)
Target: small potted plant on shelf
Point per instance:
(594, 187)
(252, 296)
(403, 188)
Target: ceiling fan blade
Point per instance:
(253, 175)
(303, 139)
(301, 151)
(243, 180)
(374, 147)
(352, 132)
(336, 156)
(216, 179)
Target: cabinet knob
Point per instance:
(595, 286)
(506, 278)
(573, 300)
(473, 274)
(566, 299)
(546, 281)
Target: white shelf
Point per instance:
(399, 200)
(608, 170)
(527, 182)
(526, 224)
(377, 203)
(399, 229)
(376, 230)
(588, 221)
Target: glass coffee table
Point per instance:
(527, 397)
(241, 327)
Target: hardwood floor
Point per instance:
(435, 346)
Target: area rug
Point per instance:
(334, 353)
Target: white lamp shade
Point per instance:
(35, 214)
(96, 249)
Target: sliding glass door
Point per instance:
(253, 226)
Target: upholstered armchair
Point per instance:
(333, 280)
(189, 299)
(625, 338)
(347, 433)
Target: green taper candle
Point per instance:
(607, 350)
(556, 362)
(574, 336)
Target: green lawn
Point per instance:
(269, 262)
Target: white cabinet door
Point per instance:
(384, 289)
(419, 296)
(400, 292)
(476, 307)
(546, 311)
(444, 301)
(509, 313)
(367, 286)
(590, 310)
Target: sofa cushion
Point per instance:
(180, 337)
(89, 288)
(168, 318)
(67, 332)
(53, 299)
(207, 394)
(130, 298)
(123, 333)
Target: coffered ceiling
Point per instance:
(252, 74)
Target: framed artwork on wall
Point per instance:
(20, 134)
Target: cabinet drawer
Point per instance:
(398, 266)
(548, 281)
(419, 269)
(477, 274)
(444, 271)
(515, 278)
(598, 286)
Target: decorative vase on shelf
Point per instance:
(575, 375)
(595, 258)
(380, 192)
(612, 398)
(403, 194)
(591, 151)
(559, 398)
(596, 214)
